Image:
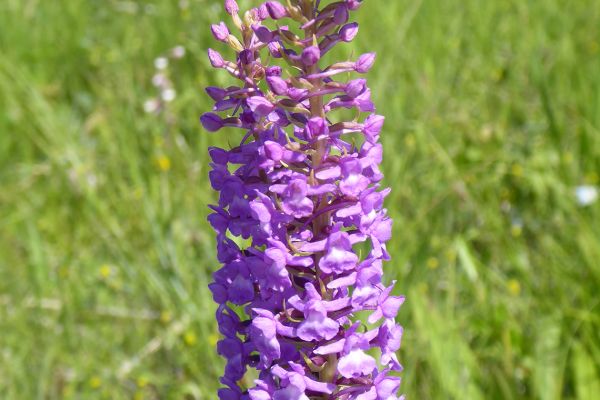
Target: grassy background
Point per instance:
(493, 119)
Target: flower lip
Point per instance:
(211, 122)
(263, 33)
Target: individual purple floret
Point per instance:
(301, 226)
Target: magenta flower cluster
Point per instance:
(301, 226)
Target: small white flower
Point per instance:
(184, 4)
(160, 80)
(92, 180)
(128, 7)
(151, 105)
(586, 195)
(168, 95)
(161, 63)
(178, 52)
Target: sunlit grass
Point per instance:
(493, 121)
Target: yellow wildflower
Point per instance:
(105, 271)
(190, 338)
(517, 170)
(514, 287)
(95, 382)
(163, 163)
(516, 230)
(433, 263)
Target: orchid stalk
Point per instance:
(300, 222)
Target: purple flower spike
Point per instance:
(301, 189)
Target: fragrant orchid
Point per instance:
(302, 188)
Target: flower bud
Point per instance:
(216, 60)
(276, 10)
(277, 85)
(364, 63)
(340, 15)
(296, 93)
(353, 4)
(262, 12)
(355, 87)
(220, 31)
(273, 70)
(316, 127)
(231, 7)
(348, 32)
(373, 125)
(273, 150)
(311, 55)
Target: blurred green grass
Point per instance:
(493, 119)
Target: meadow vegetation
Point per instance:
(493, 120)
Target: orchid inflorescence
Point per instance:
(300, 223)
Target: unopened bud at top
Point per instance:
(276, 10)
(231, 6)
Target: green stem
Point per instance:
(316, 110)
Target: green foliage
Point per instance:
(493, 119)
